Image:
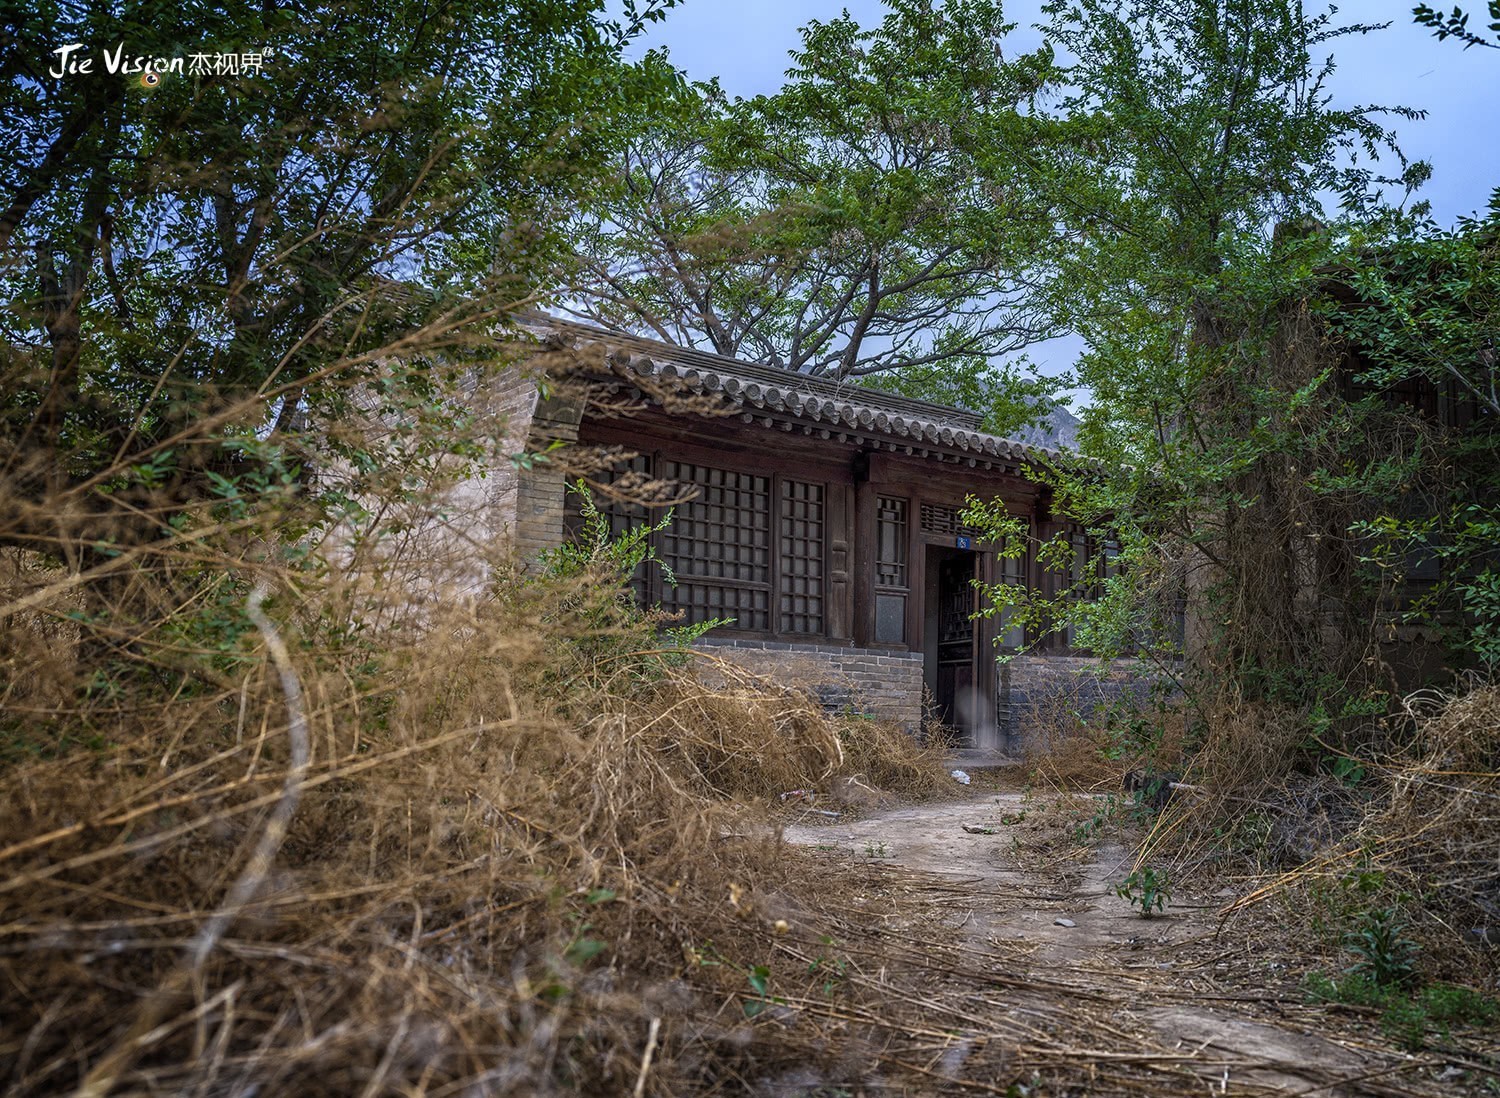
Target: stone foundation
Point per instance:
(877, 683)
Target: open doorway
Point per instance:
(948, 641)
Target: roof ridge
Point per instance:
(779, 391)
(777, 375)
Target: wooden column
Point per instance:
(842, 537)
(985, 631)
(865, 549)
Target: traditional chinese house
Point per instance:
(822, 518)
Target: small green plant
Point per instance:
(598, 545)
(1463, 1005)
(876, 850)
(1385, 977)
(706, 956)
(832, 971)
(1026, 1089)
(1146, 889)
(619, 560)
(1086, 831)
(1405, 1016)
(1386, 956)
(1346, 769)
(584, 947)
(760, 981)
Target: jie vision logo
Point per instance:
(74, 60)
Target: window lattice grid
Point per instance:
(956, 603)
(890, 538)
(1082, 578)
(801, 563)
(750, 607)
(622, 517)
(1012, 573)
(1084, 571)
(938, 519)
(719, 546)
(1012, 564)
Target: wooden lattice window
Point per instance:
(891, 569)
(802, 534)
(890, 556)
(719, 547)
(1109, 562)
(746, 547)
(1012, 572)
(1082, 579)
(939, 519)
(622, 516)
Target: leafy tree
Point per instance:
(866, 220)
(1456, 24)
(1192, 152)
(684, 247)
(1421, 304)
(220, 278)
(193, 269)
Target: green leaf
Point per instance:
(583, 950)
(759, 976)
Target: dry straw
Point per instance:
(469, 852)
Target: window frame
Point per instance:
(653, 589)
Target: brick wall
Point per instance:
(1041, 689)
(542, 489)
(513, 396)
(441, 538)
(519, 506)
(882, 684)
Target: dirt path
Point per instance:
(1030, 887)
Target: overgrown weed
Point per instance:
(515, 813)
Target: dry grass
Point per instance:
(1247, 747)
(526, 859)
(1065, 750)
(1076, 761)
(512, 830)
(1074, 745)
(1415, 838)
(1438, 832)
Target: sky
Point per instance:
(745, 45)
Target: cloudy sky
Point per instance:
(745, 45)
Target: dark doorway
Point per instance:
(948, 640)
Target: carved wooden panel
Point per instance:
(939, 519)
(892, 569)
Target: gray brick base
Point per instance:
(875, 682)
(1035, 691)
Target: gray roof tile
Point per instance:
(770, 389)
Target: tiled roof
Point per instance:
(780, 398)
